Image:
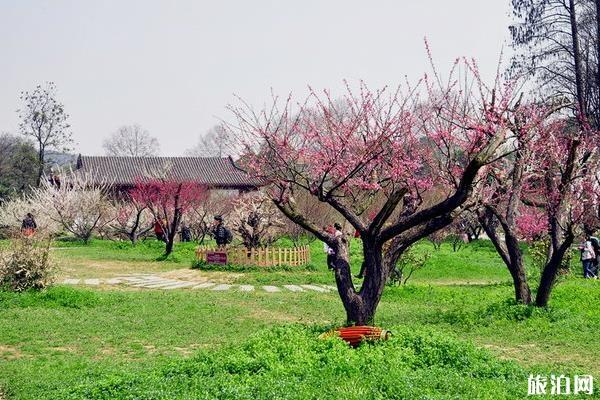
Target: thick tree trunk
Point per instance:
(169, 246)
(360, 307)
(550, 271)
(511, 254)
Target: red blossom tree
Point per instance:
(168, 201)
(397, 143)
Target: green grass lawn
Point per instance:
(457, 334)
(476, 263)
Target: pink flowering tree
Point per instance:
(393, 146)
(503, 214)
(562, 186)
(540, 192)
(168, 201)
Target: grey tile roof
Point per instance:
(211, 171)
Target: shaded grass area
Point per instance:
(84, 341)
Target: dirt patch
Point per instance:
(10, 353)
(195, 275)
(272, 315)
(531, 354)
(82, 268)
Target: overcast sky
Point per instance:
(172, 66)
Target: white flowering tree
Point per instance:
(256, 220)
(80, 207)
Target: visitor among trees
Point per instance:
(588, 258)
(220, 232)
(28, 227)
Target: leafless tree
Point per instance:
(216, 142)
(43, 119)
(558, 42)
(131, 141)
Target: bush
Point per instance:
(53, 297)
(505, 310)
(26, 264)
(202, 265)
(292, 363)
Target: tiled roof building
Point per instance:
(122, 172)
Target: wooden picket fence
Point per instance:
(262, 257)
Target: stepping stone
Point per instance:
(222, 287)
(91, 281)
(294, 288)
(204, 285)
(132, 279)
(246, 288)
(271, 289)
(180, 285)
(71, 281)
(113, 281)
(157, 285)
(315, 288)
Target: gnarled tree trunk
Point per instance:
(509, 251)
(360, 306)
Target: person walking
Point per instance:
(28, 225)
(588, 258)
(220, 232)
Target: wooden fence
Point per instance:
(262, 257)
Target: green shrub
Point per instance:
(53, 297)
(505, 310)
(26, 264)
(202, 265)
(292, 363)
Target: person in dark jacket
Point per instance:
(185, 233)
(220, 232)
(28, 226)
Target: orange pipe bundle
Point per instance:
(354, 335)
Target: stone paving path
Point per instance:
(157, 282)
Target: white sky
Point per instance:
(172, 66)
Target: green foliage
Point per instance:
(410, 262)
(202, 265)
(538, 252)
(18, 166)
(292, 363)
(508, 310)
(53, 297)
(25, 265)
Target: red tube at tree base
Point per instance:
(355, 335)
